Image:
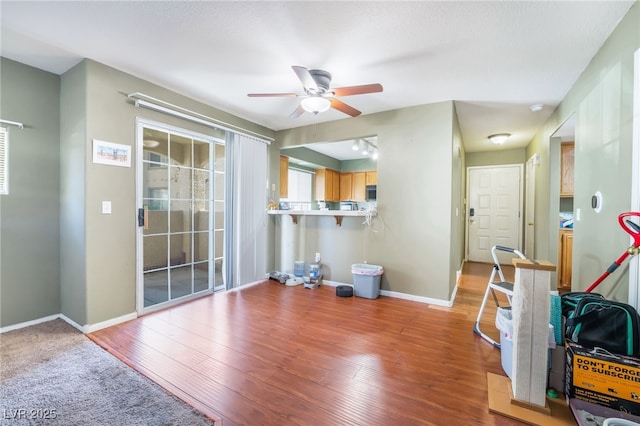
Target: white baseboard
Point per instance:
(421, 299)
(459, 273)
(71, 322)
(247, 285)
(334, 283)
(405, 296)
(29, 323)
(88, 328)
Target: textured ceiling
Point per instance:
(493, 58)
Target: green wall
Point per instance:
(98, 252)
(458, 188)
(602, 99)
(73, 244)
(412, 235)
(29, 214)
(496, 158)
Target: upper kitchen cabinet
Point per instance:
(284, 176)
(327, 183)
(342, 169)
(566, 169)
(359, 186)
(346, 186)
(371, 178)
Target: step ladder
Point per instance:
(493, 286)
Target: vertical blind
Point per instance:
(4, 161)
(249, 260)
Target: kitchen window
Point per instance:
(299, 189)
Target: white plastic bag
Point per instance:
(504, 322)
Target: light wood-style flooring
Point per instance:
(276, 355)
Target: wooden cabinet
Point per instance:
(327, 185)
(284, 176)
(565, 253)
(335, 182)
(346, 186)
(353, 185)
(567, 155)
(359, 186)
(371, 178)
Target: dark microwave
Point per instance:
(371, 192)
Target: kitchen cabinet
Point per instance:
(353, 185)
(371, 178)
(565, 253)
(335, 181)
(327, 184)
(567, 155)
(359, 186)
(284, 176)
(346, 186)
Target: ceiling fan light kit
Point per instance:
(315, 104)
(318, 96)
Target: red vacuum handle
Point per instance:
(630, 227)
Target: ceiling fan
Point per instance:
(319, 96)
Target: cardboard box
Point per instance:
(600, 378)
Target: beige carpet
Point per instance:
(51, 374)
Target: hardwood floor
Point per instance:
(276, 355)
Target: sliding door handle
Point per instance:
(143, 217)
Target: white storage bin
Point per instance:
(504, 323)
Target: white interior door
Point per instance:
(494, 197)
(529, 216)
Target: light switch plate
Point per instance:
(106, 207)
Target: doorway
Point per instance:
(562, 147)
(180, 193)
(494, 195)
(530, 208)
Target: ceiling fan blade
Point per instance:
(306, 78)
(341, 106)
(357, 90)
(269, 95)
(298, 112)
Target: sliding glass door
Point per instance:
(181, 195)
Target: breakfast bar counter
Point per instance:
(337, 214)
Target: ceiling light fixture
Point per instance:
(499, 138)
(536, 107)
(150, 143)
(355, 145)
(315, 104)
